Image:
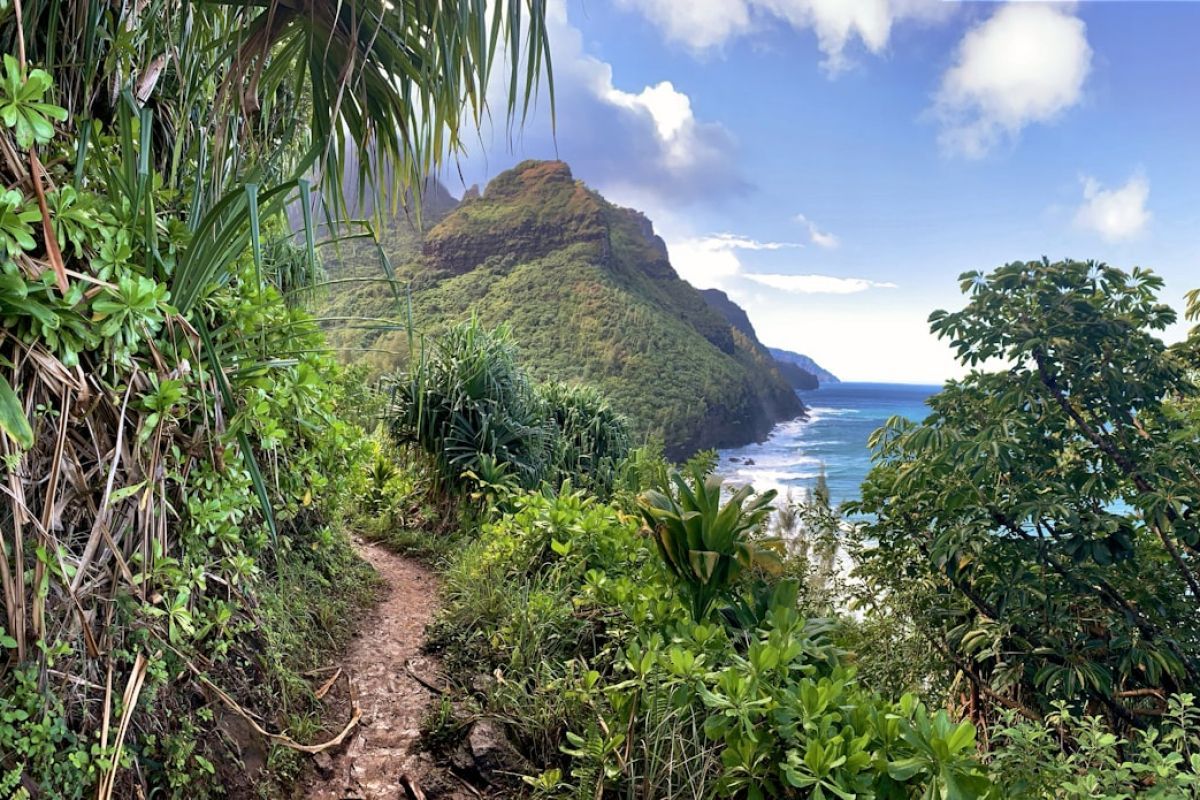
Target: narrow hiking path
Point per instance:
(380, 663)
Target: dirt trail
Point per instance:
(385, 746)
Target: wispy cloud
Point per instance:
(704, 25)
(706, 261)
(734, 241)
(816, 284)
(818, 237)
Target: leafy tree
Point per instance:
(1042, 520)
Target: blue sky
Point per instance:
(835, 164)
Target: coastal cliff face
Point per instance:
(796, 377)
(590, 294)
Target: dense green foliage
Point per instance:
(591, 439)
(181, 460)
(613, 688)
(704, 542)
(468, 404)
(1069, 756)
(176, 465)
(587, 290)
(1047, 506)
(684, 669)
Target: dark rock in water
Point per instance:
(749, 462)
(735, 460)
(487, 755)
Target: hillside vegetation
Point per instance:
(589, 293)
(180, 459)
(182, 464)
(797, 377)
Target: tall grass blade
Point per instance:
(309, 236)
(85, 137)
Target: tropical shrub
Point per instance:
(465, 399)
(171, 450)
(467, 402)
(1068, 756)
(590, 439)
(611, 687)
(705, 543)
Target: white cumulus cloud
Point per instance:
(818, 237)
(1115, 214)
(699, 24)
(1026, 64)
(682, 139)
(817, 284)
(644, 140)
(706, 24)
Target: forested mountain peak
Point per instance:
(590, 293)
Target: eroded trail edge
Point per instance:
(382, 663)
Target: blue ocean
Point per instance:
(841, 417)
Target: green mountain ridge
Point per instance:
(591, 296)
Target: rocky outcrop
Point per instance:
(796, 377)
(734, 314)
(525, 214)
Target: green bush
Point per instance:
(590, 439)
(467, 398)
(612, 688)
(1066, 756)
(467, 402)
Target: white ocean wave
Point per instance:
(817, 413)
(788, 461)
(832, 439)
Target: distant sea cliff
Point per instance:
(805, 363)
